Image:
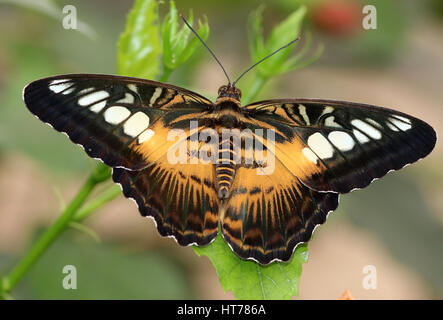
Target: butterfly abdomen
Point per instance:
(225, 167)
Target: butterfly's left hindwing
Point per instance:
(182, 198)
(339, 146)
(122, 121)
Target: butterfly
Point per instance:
(319, 149)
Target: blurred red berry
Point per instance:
(341, 17)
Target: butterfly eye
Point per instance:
(222, 89)
(238, 92)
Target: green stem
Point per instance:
(2, 293)
(254, 89)
(106, 196)
(100, 173)
(166, 73)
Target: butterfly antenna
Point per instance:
(268, 56)
(206, 46)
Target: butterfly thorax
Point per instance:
(227, 106)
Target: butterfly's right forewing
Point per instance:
(339, 146)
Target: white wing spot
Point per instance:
(116, 115)
(397, 124)
(84, 91)
(330, 122)
(145, 136)
(367, 129)
(402, 118)
(59, 85)
(360, 136)
(59, 81)
(158, 91)
(374, 123)
(326, 110)
(302, 111)
(391, 126)
(310, 155)
(341, 140)
(93, 98)
(320, 145)
(70, 90)
(132, 87)
(129, 98)
(136, 124)
(98, 106)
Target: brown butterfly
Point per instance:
(319, 149)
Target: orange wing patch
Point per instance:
(296, 156)
(180, 197)
(266, 216)
(160, 141)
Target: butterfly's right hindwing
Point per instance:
(122, 121)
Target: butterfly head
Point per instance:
(229, 91)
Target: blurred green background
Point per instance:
(396, 224)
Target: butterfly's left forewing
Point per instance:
(339, 146)
(126, 122)
(122, 121)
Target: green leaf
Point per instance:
(250, 280)
(297, 62)
(179, 46)
(139, 46)
(256, 41)
(281, 62)
(195, 44)
(282, 34)
(86, 230)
